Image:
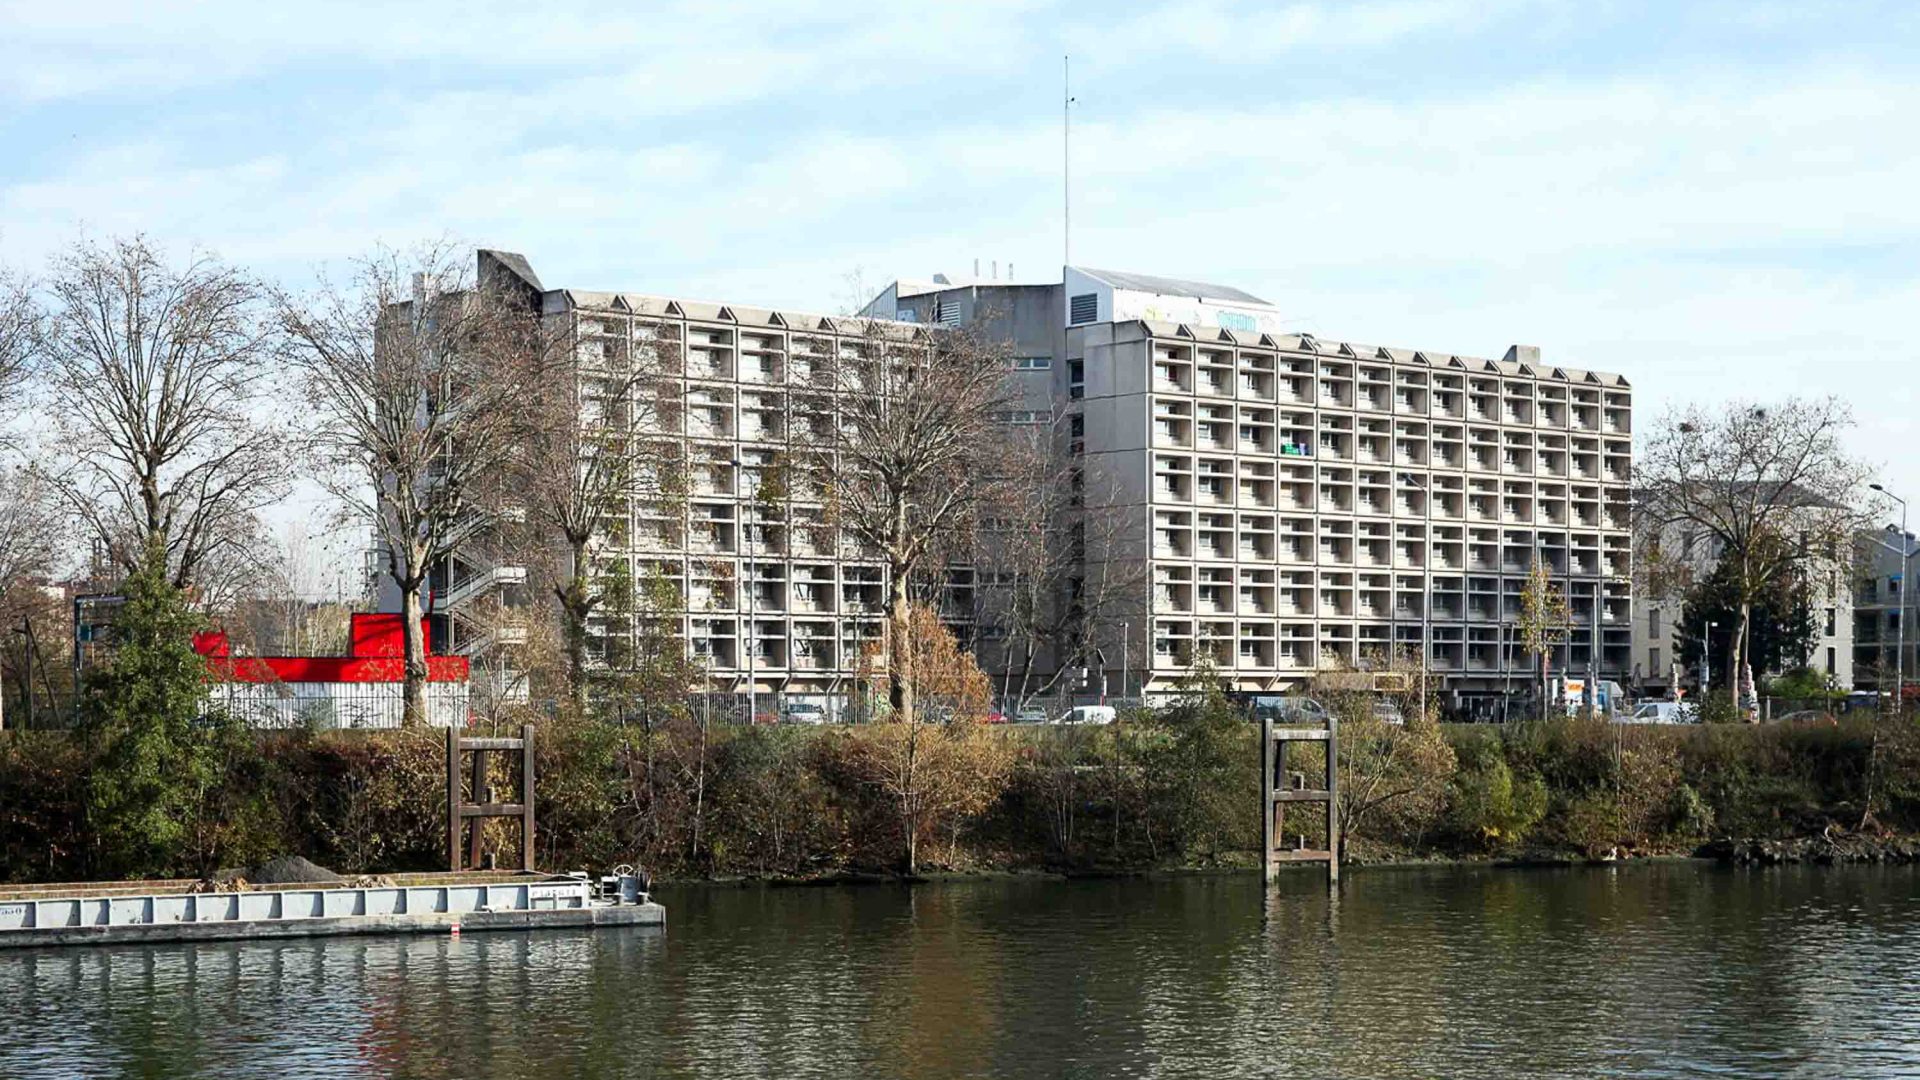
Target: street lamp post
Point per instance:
(1706, 662)
(752, 635)
(1426, 597)
(1900, 612)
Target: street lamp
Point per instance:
(1900, 612)
(746, 537)
(1426, 596)
(1706, 661)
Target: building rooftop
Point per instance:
(1166, 286)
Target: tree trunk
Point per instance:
(413, 688)
(899, 685)
(1737, 651)
(578, 609)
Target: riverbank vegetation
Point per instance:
(1175, 787)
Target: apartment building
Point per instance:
(1285, 503)
(774, 598)
(1881, 603)
(1298, 503)
(1659, 629)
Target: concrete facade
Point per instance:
(1657, 627)
(1302, 503)
(1882, 600)
(1289, 503)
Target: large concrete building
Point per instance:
(1299, 503)
(1286, 503)
(775, 600)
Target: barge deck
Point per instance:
(113, 915)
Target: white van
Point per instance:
(1662, 712)
(1089, 714)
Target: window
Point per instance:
(1830, 668)
(1083, 309)
(947, 313)
(1653, 623)
(1031, 363)
(1830, 627)
(1653, 661)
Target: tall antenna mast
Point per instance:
(1066, 159)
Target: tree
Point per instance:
(19, 325)
(935, 772)
(160, 379)
(587, 464)
(1781, 630)
(914, 414)
(30, 532)
(418, 377)
(1770, 488)
(1545, 622)
(1399, 772)
(165, 777)
(1051, 562)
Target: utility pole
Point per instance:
(1126, 646)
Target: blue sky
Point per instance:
(1715, 199)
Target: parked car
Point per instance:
(1387, 712)
(803, 712)
(1031, 714)
(1662, 712)
(1806, 716)
(1089, 714)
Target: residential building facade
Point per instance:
(1300, 503)
(1659, 625)
(1881, 603)
(1285, 503)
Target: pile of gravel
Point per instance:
(286, 870)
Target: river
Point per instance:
(1671, 969)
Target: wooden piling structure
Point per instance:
(470, 817)
(1278, 789)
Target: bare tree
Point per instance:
(159, 377)
(588, 464)
(31, 526)
(1052, 563)
(1770, 488)
(19, 322)
(418, 376)
(914, 413)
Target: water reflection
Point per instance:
(1638, 971)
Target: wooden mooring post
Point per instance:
(471, 817)
(1279, 786)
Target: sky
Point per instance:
(1717, 200)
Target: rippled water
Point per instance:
(1660, 970)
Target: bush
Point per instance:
(1488, 808)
